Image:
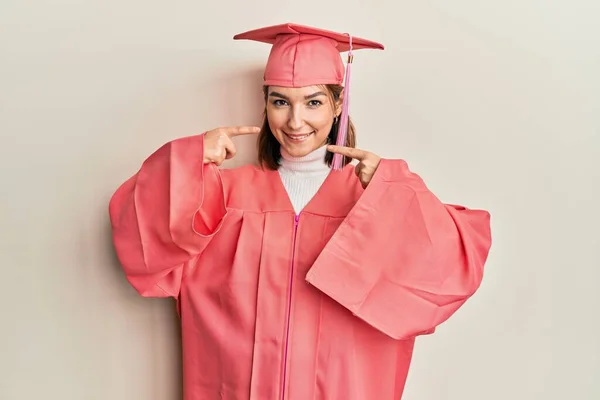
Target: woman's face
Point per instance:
(300, 118)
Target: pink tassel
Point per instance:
(343, 127)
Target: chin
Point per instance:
(300, 150)
(303, 149)
(294, 152)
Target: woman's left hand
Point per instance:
(367, 162)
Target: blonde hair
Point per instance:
(269, 149)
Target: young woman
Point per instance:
(294, 281)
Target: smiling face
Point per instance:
(300, 118)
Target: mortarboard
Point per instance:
(306, 56)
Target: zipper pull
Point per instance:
(296, 219)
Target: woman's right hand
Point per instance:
(218, 145)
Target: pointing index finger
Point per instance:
(357, 154)
(241, 130)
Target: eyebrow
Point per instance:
(310, 96)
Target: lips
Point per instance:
(298, 137)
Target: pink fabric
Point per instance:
(335, 303)
(338, 159)
(304, 56)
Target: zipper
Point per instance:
(289, 310)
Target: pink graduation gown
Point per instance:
(324, 305)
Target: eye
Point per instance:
(279, 103)
(315, 103)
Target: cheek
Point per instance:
(323, 123)
(275, 119)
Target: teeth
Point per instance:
(299, 137)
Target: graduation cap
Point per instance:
(305, 56)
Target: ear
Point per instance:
(338, 105)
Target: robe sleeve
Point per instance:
(164, 216)
(402, 261)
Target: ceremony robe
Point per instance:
(323, 305)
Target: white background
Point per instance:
(495, 104)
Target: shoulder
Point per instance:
(243, 175)
(252, 188)
(398, 171)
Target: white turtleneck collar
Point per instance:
(313, 162)
(303, 176)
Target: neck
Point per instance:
(312, 162)
(303, 176)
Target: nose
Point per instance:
(295, 119)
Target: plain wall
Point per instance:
(495, 104)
